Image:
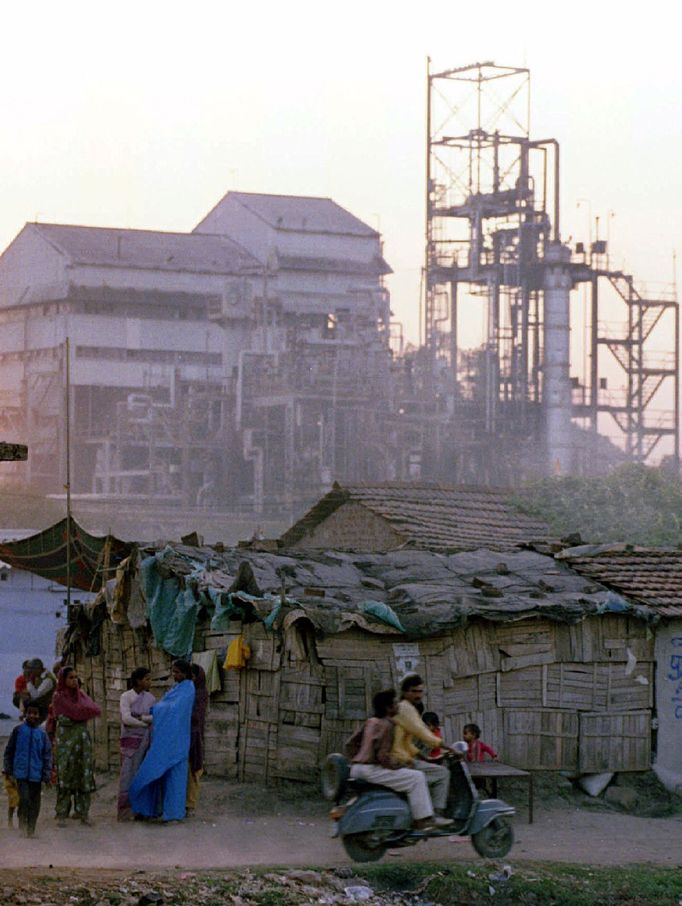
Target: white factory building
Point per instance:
(182, 347)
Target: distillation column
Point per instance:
(557, 383)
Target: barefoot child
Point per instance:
(28, 760)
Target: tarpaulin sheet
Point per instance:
(172, 609)
(45, 554)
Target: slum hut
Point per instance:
(650, 576)
(556, 669)
(423, 515)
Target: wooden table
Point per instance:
(494, 770)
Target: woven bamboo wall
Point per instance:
(546, 695)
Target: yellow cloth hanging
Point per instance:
(238, 653)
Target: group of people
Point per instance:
(51, 744)
(401, 748)
(161, 744)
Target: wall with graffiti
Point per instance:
(668, 764)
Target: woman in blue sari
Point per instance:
(159, 788)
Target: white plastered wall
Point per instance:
(668, 765)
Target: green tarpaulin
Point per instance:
(45, 554)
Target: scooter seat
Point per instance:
(357, 785)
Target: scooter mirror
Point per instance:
(460, 747)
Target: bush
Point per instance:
(634, 503)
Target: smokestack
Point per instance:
(557, 384)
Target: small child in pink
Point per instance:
(477, 748)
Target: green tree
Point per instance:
(636, 504)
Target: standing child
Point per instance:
(477, 748)
(28, 759)
(432, 721)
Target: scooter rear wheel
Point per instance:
(494, 840)
(363, 847)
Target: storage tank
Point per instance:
(557, 385)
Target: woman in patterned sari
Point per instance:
(75, 775)
(136, 720)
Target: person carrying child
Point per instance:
(21, 694)
(28, 760)
(477, 748)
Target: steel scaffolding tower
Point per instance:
(647, 410)
(494, 253)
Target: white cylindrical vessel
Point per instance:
(557, 382)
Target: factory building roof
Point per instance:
(147, 249)
(650, 575)
(302, 214)
(430, 516)
(322, 265)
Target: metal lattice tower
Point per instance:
(494, 254)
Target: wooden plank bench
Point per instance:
(494, 770)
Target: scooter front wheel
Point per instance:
(494, 840)
(363, 847)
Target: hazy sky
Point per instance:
(144, 114)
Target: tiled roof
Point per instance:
(302, 214)
(652, 576)
(148, 249)
(433, 517)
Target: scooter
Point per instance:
(370, 819)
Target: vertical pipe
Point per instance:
(67, 350)
(676, 415)
(630, 402)
(557, 206)
(453, 338)
(423, 322)
(594, 352)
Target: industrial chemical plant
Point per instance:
(242, 367)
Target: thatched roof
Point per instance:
(429, 516)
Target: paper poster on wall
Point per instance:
(406, 658)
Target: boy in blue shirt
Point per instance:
(28, 759)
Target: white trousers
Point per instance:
(438, 779)
(403, 780)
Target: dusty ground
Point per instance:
(242, 825)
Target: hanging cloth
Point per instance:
(238, 653)
(209, 662)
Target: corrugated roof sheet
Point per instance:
(650, 575)
(431, 516)
(148, 249)
(303, 214)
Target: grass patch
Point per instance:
(532, 884)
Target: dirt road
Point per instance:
(231, 830)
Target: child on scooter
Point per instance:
(432, 721)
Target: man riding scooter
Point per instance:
(371, 750)
(408, 727)
(371, 815)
